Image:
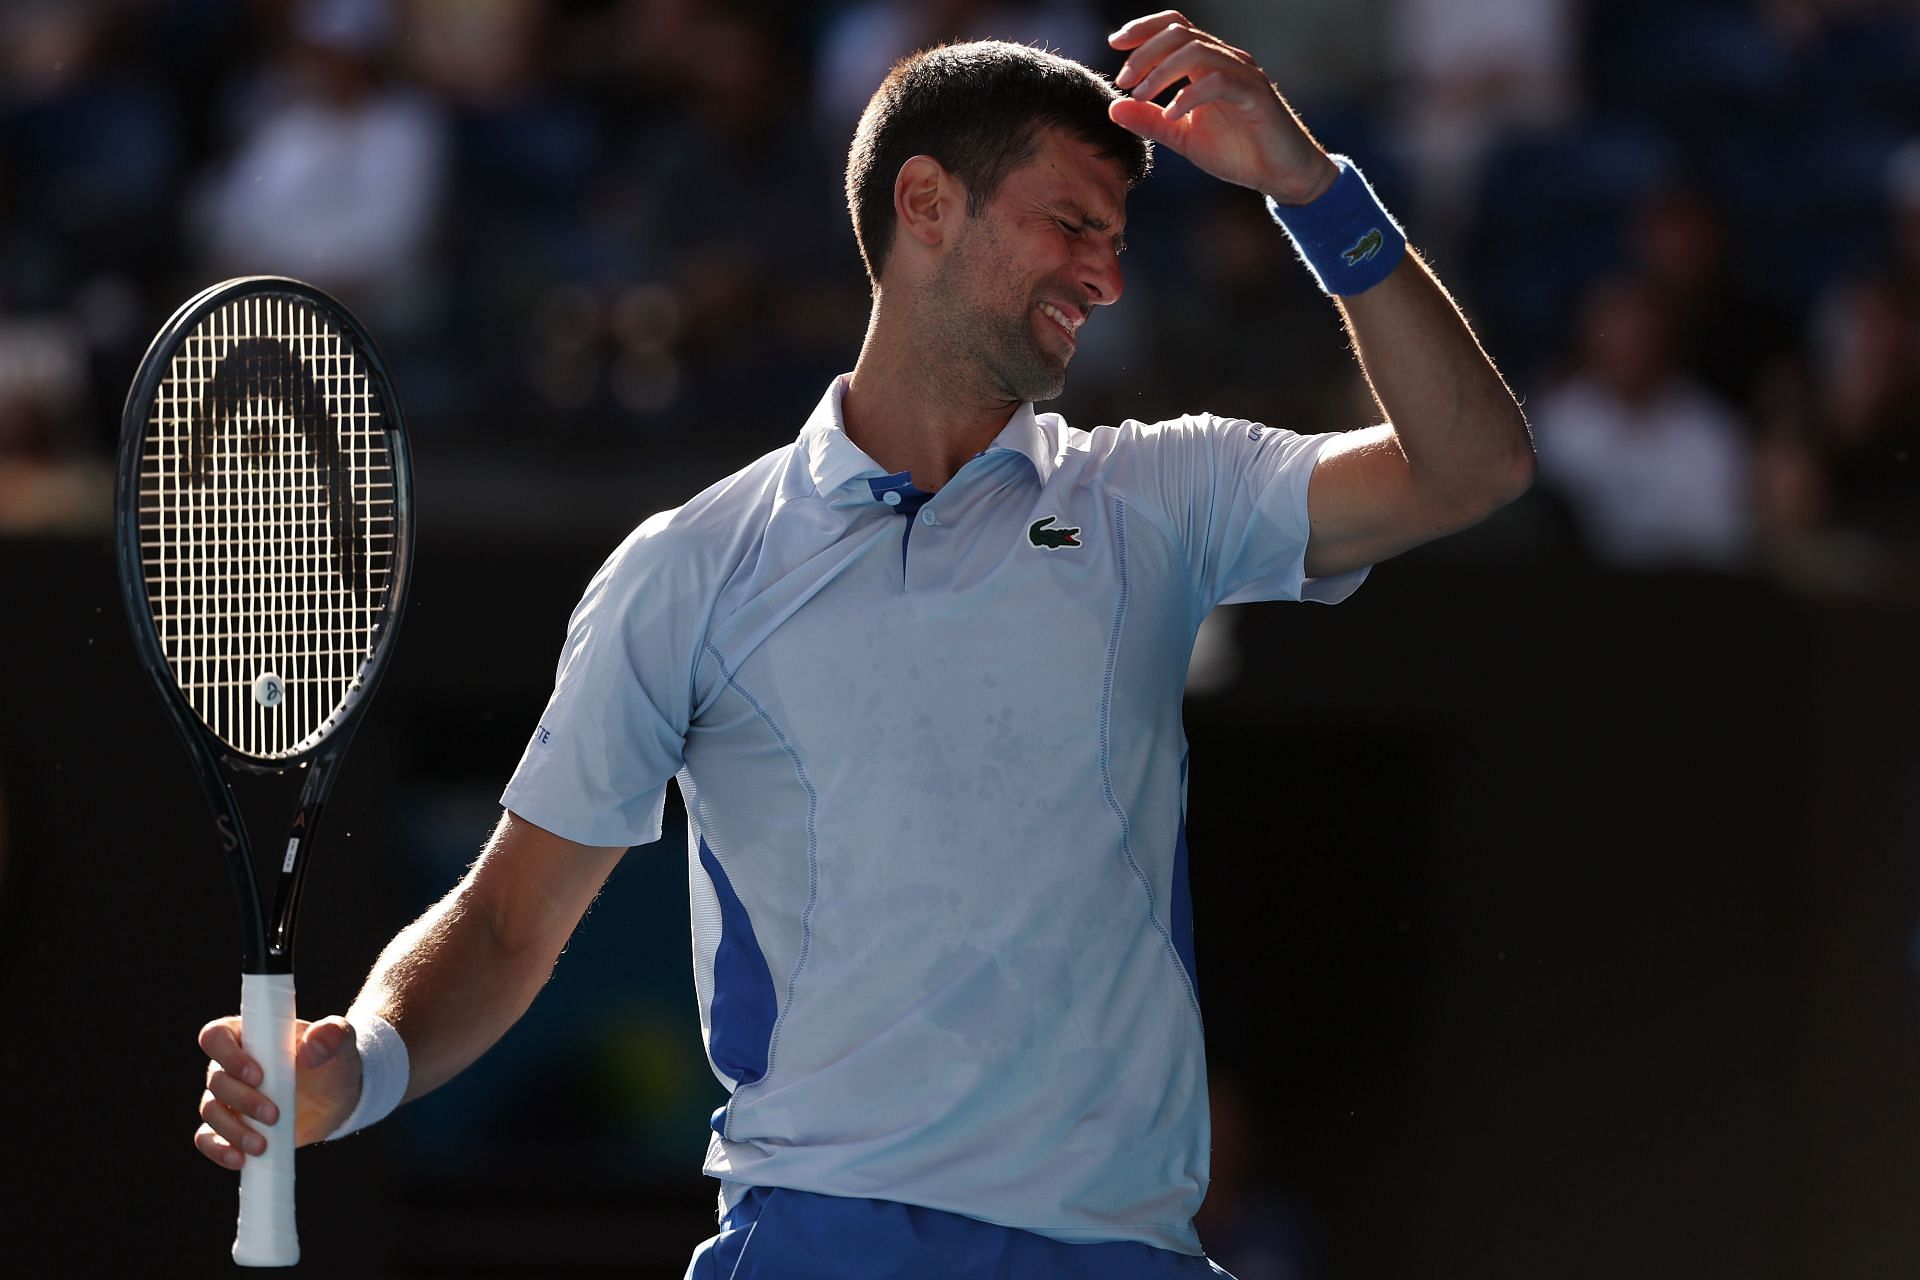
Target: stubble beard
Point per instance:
(994, 336)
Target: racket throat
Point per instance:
(293, 856)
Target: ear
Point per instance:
(928, 202)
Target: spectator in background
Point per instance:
(1653, 466)
(1723, 332)
(1840, 424)
(94, 147)
(524, 145)
(1227, 349)
(1903, 200)
(1790, 495)
(1320, 49)
(90, 153)
(760, 305)
(1469, 70)
(336, 178)
(1867, 350)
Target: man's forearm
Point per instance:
(1463, 434)
(452, 987)
(454, 980)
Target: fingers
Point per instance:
(328, 1070)
(1251, 137)
(230, 1098)
(220, 1040)
(1150, 53)
(1146, 119)
(233, 1104)
(216, 1148)
(1201, 89)
(1140, 30)
(323, 1039)
(240, 1098)
(1210, 78)
(1191, 59)
(223, 1135)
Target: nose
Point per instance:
(1100, 273)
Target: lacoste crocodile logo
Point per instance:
(1364, 248)
(1051, 539)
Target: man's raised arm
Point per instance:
(1456, 446)
(450, 984)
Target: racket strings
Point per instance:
(268, 521)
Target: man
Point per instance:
(919, 675)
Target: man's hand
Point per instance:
(450, 983)
(1228, 119)
(327, 1086)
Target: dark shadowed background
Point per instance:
(1556, 897)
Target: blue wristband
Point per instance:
(1345, 237)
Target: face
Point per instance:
(1021, 276)
(1629, 346)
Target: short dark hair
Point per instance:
(978, 108)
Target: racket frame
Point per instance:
(266, 942)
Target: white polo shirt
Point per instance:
(933, 764)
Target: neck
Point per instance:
(913, 408)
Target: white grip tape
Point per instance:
(266, 1236)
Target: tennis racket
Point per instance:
(264, 526)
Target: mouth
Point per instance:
(1063, 319)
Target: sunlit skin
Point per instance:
(960, 333)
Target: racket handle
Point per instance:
(265, 1236)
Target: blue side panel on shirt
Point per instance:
(741, 1019)
(1181, 908)
(775, 1233)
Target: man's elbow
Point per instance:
(1501, 483)
(1516, 475)
(1522, 470)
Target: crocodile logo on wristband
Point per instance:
(1364, 248)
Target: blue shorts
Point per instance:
(778, 1234)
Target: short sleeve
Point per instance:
(1233, 496)
(596, 768)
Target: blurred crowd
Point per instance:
(596, 233)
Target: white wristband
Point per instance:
(384, 1068)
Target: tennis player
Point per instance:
(919, 675)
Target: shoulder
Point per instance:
(1103, 448)
(703, 539)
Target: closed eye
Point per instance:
(1074, 229)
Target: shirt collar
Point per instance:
(833, 459)
(1023, 435)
